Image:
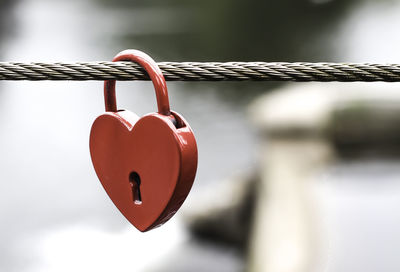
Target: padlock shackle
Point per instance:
(154, 73)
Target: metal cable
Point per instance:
(203, 71)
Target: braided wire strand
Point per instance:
(203, 71)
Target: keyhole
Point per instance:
(134, 180)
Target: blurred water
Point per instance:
(360, 204)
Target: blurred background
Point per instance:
(291, 177)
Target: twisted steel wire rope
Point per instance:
(203, 71)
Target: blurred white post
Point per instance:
(285, 236)
(299, 126)
(293, 151)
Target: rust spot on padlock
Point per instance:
(146, 165)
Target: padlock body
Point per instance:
(163, 156)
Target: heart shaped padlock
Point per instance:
(146, 165)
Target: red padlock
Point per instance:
(146, 165)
